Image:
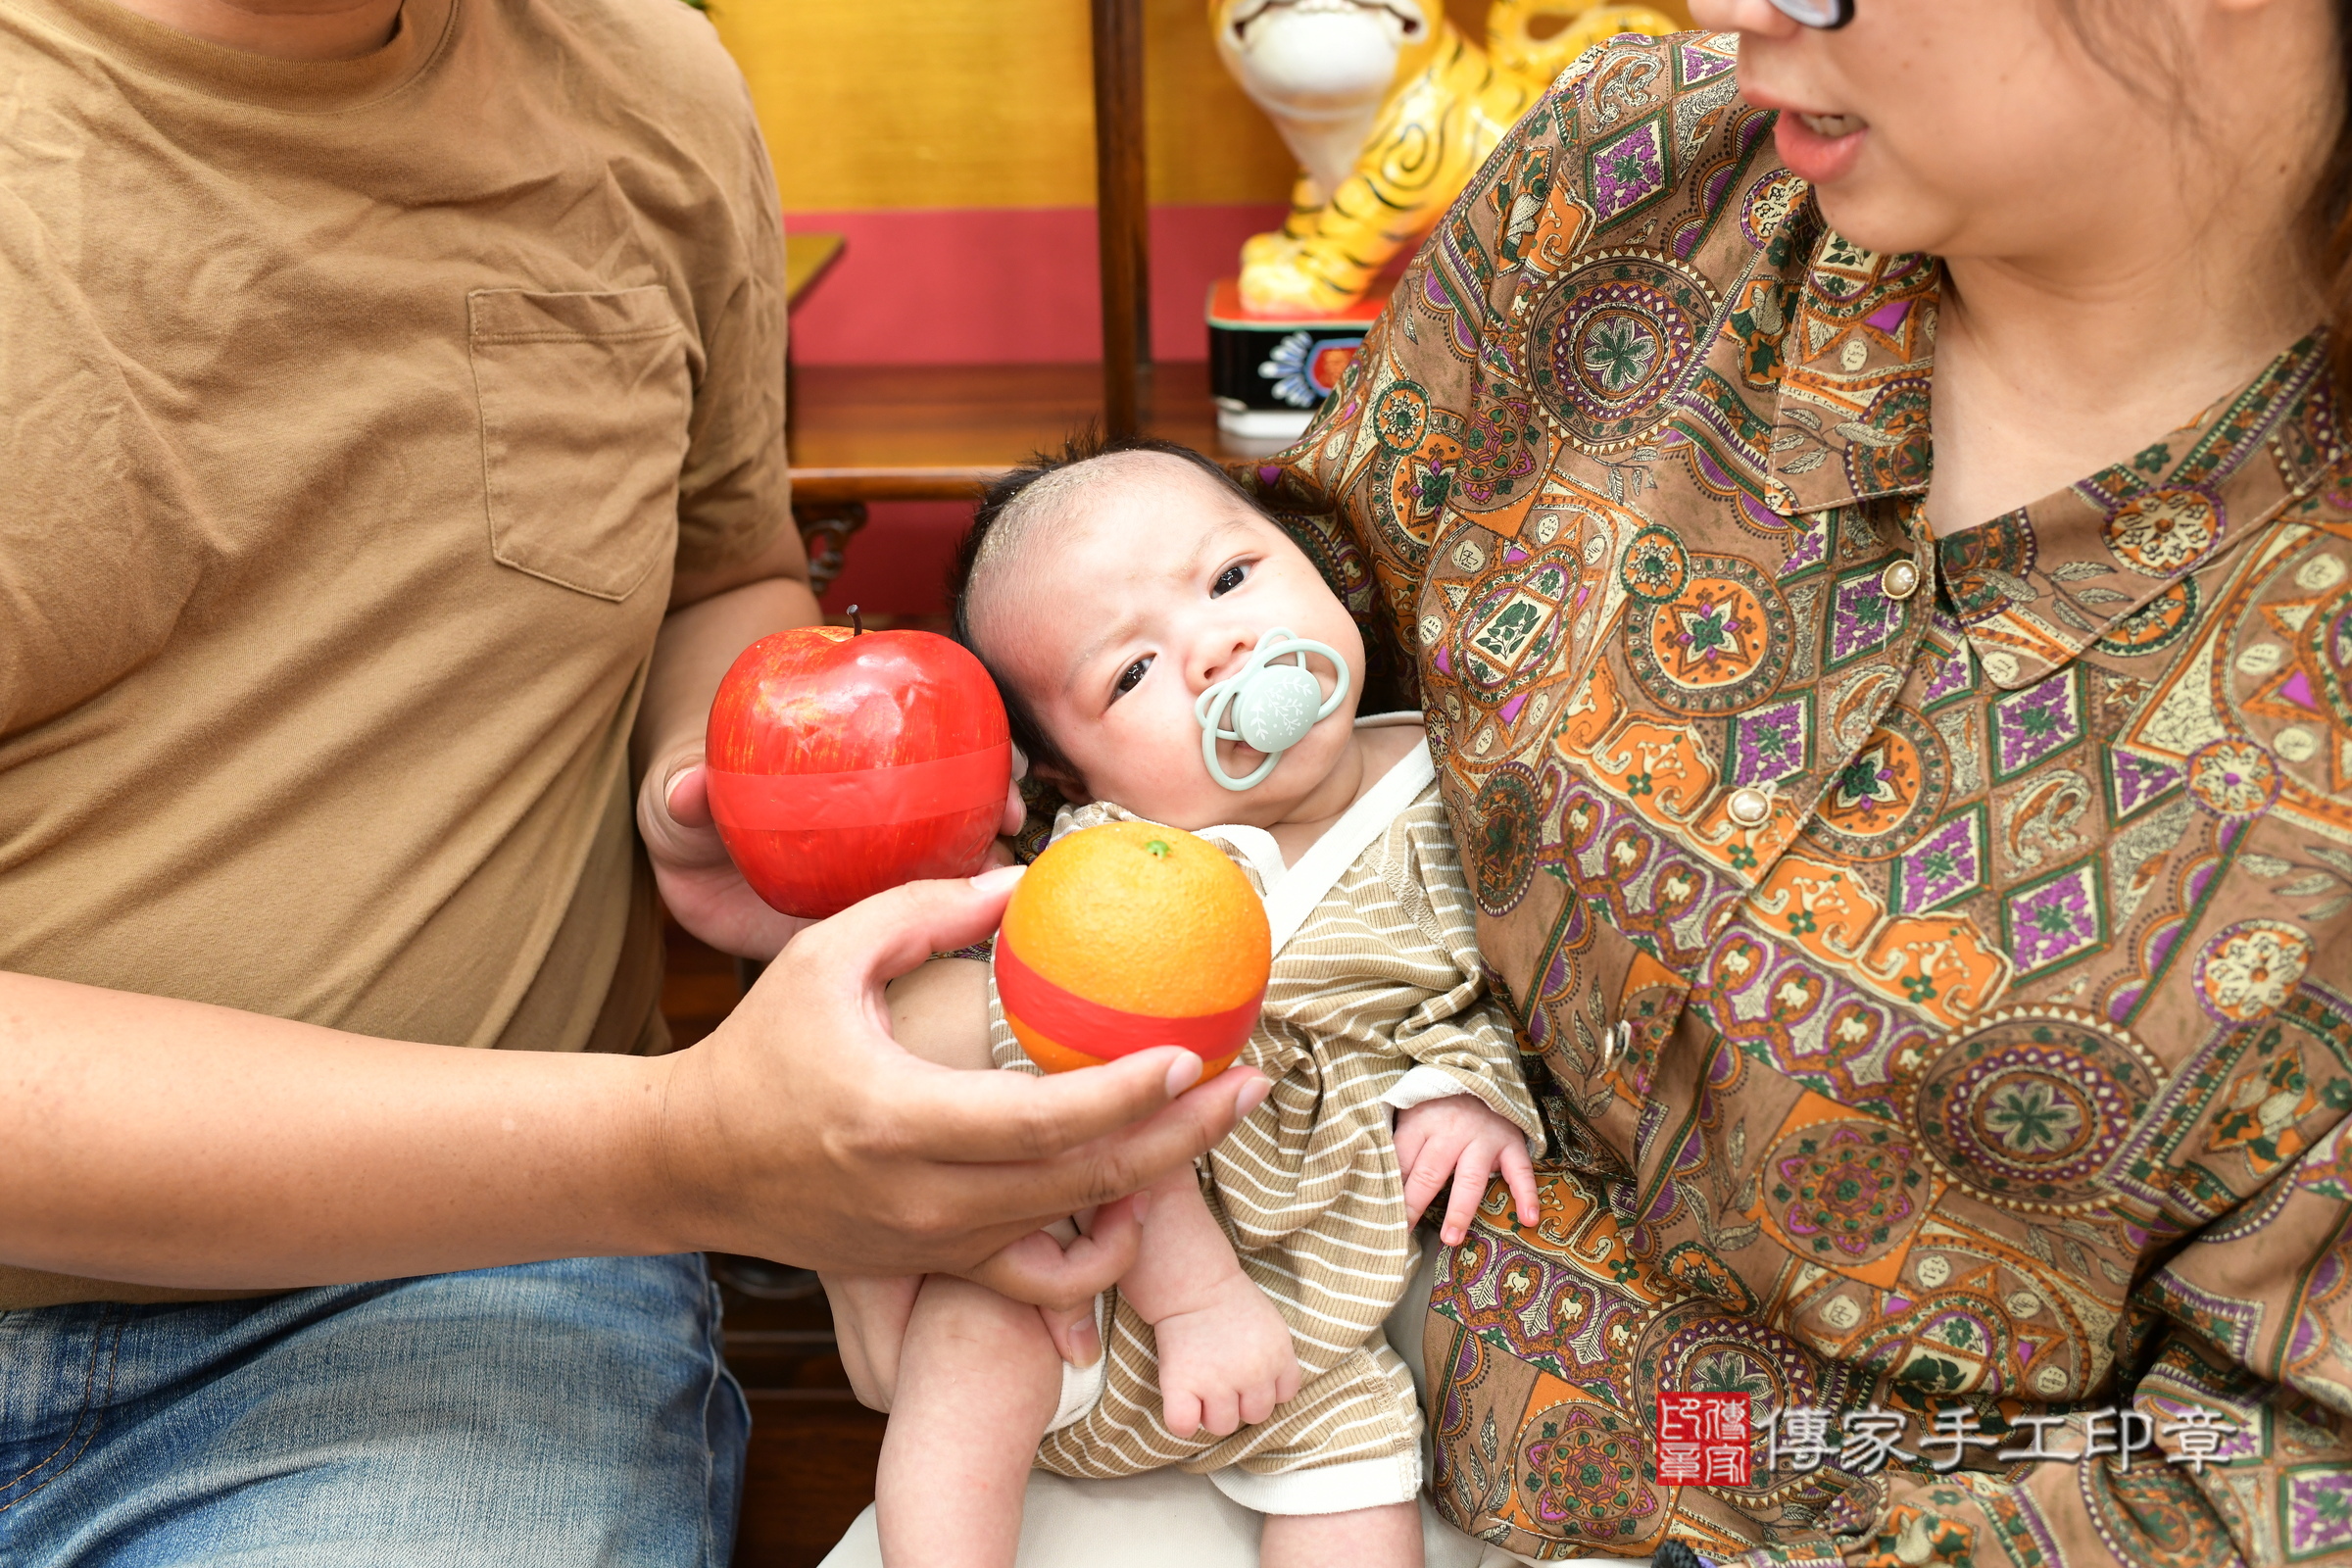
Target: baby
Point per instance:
(1147, 624)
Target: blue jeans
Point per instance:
(572, 1413)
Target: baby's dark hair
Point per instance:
(1001, 506)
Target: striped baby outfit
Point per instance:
(1375, 1001)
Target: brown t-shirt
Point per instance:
(356, 417)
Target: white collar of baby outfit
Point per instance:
(1293, 891)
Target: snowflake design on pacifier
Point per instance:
(1271, 707)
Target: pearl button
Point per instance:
(1900, 581)
(1748, 807)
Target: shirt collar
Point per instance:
(1851, 333)
(2107, 562)
(1849, 337)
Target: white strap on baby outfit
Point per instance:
(1293, 896)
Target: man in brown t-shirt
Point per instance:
(393, 406)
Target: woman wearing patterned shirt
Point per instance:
(1928, 904)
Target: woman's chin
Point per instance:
(1889, 227)
(1880, 211)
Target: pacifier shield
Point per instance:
(1271, 707)
(1276, 708)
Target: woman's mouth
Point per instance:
(1819, 147)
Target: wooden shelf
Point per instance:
(806, 259)
(809, 1475)
(903, 432)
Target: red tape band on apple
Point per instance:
(1107, 1033)
(873, 797)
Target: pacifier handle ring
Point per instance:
(1211, 705)
(1338, 687)
(1219, 700)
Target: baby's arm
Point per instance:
(1225, 1356)
(1463, 1109)
(1458, 1138)
(1463, 1114)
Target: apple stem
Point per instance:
(857, 622)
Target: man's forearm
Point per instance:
(697, 643)
(162, 1142)
(691, 655)
(170, 1143)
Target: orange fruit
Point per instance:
(1128, 936)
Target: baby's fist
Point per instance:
(1225, 1365)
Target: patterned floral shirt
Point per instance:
(1937, 953)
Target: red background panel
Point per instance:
(986, 286)
(1003, 285)
(897, 564)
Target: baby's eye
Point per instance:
(1229, 579)
(1130, 677)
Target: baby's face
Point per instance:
(1112, 625)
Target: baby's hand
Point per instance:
(1225, 1362)
(1458, 1137)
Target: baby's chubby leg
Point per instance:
(1387, 1536)
(970, 1379)
(940, 1013)
(978, 1380)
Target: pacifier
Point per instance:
(1270, 706)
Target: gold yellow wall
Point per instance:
(984, 103)
(989, 103)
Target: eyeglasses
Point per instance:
(1817, 13)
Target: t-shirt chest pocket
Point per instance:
(585, 400)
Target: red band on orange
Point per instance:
(874, 796)
(1107, 1033)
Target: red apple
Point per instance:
(843, 764)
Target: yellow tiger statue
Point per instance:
(1389, 110)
